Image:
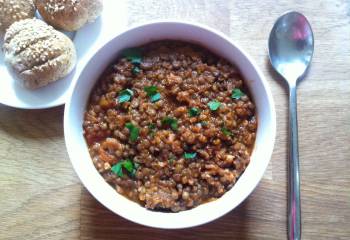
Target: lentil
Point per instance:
(182, 166)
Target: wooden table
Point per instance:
(42, 198)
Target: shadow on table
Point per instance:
(282, 83)
(274, 75)
(32, 124)
(97, 222)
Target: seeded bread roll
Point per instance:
(14, 10)
(69, 15)
(38, 54)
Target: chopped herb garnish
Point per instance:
(171, 159)
(136, 165)
(226, 131)
(136, 70)
(156, 97)
(133, 173)
(152, 92)
(190, 155)
(134, 131)
(172, 122)
(117, 169)
(125, 95)
(237, 93)
(124, 98)
(194, 112)
(134, 55)
(152, 128)
(127, 165)
(214, 105)
(126, 91)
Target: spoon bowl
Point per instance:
(291, 46)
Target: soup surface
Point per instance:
(170, 125)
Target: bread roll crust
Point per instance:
(69, 15)
(38, 54)
(14, 10)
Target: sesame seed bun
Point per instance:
(14, 10)
(38, 54)
(69, 15)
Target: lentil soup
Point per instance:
(170, 125)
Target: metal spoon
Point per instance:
(291, 45)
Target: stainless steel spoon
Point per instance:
(291, 45)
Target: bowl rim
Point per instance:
(272, 133)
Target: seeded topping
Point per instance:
(15, 10)
(57, 6)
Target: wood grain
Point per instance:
(41, 197)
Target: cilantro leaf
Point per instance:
(174, 125)
(237, 93)
(127, 164)
(151, 128)
(194, 112)
(171, 159)
(134, 55)
(134, 131)
(152, 92)
(117, 169)
(190, 155)
(214, 105)
(124, 98)
(125, 95)
(136, 165)
(156, 97)
(172, 122)
(226, 131)
(135, 70)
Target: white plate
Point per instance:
(87, 40)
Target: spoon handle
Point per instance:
(294, 215)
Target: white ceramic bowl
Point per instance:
(222, 46)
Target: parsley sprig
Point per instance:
(134, 131)
(134, 55)
(214, 105)
(125, 95)
(126, 164)
(172, 122)
(226, 131)
(193, 112)
(237, 93)
(152, 92)
(190, 155)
